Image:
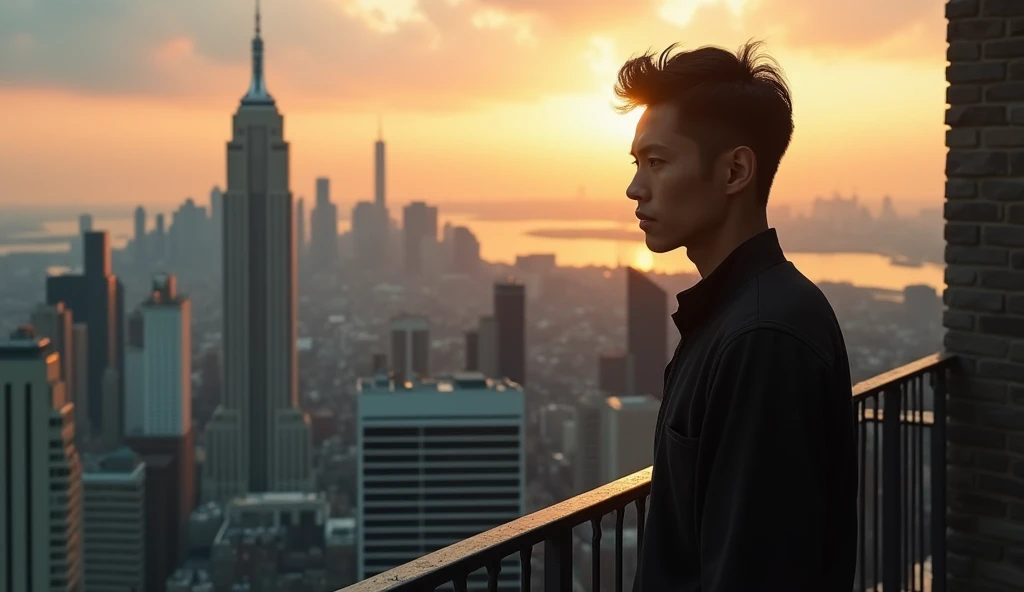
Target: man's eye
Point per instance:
(652, 162)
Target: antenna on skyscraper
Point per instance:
(380, 128)
(257, 18)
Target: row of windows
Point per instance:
(428, 510)
(374, 484)
(443, 431)
(413, 496)
(444, 458)
(439, 444)
(446, 470)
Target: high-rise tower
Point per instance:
(258, 439)
(378, 167)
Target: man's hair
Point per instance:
(724, 100)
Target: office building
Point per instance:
(615, 374)
(586, 460)
(419, 226)
(378, 169)
(96, 298)
(465, 250)
(323, 246)
(140, 253)
(646, 332)
(410, 346)
(487, 346)
(440, 460)
(370, 235)
(510, 313)
(287, 541)
(80, 390)
(472, 351)
(55, 322)
(300, 228)
(258, 439)
(627, 435)
(113, 524)
(40, 504)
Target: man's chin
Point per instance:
(655, 245)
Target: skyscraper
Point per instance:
(419, 226)
(323, 221)
(378, 167)
(646, 332)
(410, 346)
(40, 504)
(114, 521)
(55, 322)
(96, 298)
(140, 254)
(258, 439)
(300, 227)
(465, 250)
(510, 314)
(439, 462)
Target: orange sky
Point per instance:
(129, 101)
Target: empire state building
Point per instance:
(258, 439)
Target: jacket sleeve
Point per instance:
(763, 461)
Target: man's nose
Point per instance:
(637, 190)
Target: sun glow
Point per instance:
(642, 259)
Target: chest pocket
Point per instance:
(679, 465)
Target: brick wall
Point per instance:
(984, 212)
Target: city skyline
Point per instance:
(548, 106)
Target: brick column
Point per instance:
(984, 319)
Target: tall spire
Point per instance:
(380, 128)
(257, 94)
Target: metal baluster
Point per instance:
(919, 476)
(525, 568)
(876, 427)
(558, 562)
(641, 514)
(493, 569)
(891, 477)
(620, 514)
(460, 583)
(938, 482)
(595, 553)
(862, 461)
(905, 475)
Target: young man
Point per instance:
(754, 482)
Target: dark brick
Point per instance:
(1004, 574)
(1003, 280)
(1016, 512)
(1015, 71)
(962, 480)
(963, 51)
(977, 504)
(1006, 91)
(1003, 236)
(958, 456)
(976, 72)
(972, 546)
(976, 345)
(1001, 529)
(1015, 214)
(1000, 190)
(1015, 305)
(1018, 470)
(1001, 370)
(958, 276)
(1003, 8)
(977, 437)
(963, 94)
(961, 522)
(1016, 354)
(976, 256)
(961, 8)
(1016, 392)
(1005, 137)
(1016, 27)
(973, 300)
(1017, 162)
(975, 29)
(972, 211)
(976, 163)
(1001, 485)
(1017, 260)
(1015, 443)
(992, 461)
(970, 115)
(1001, 325)
(977, 389)
(1005, 48)
(961, 234)
(959, 567)
(971, 586)
(961, 188)
(956, 320)
(1014, 558)
(962, 138)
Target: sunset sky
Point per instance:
(129, 101)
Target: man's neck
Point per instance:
(708, 255)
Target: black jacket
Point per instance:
(754, 483)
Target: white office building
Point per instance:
(40, 507)
(440, 460)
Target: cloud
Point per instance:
(430, 54)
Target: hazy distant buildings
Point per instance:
(465, 250)
(627, 435)
(113, 525)
(439, 462)
(96, 298)
(140, 251)
(472, 351)
(510, 314)
(487, 346)
(190, 239)
(410, 347)
(615, 374)
(370, 234)
(158, 241)
(419, 225)
(646, 332)
(323, 247)
(41, 502)
(258, 439)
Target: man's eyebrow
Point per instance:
(647, 148)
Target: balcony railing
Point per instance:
(902, 520)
